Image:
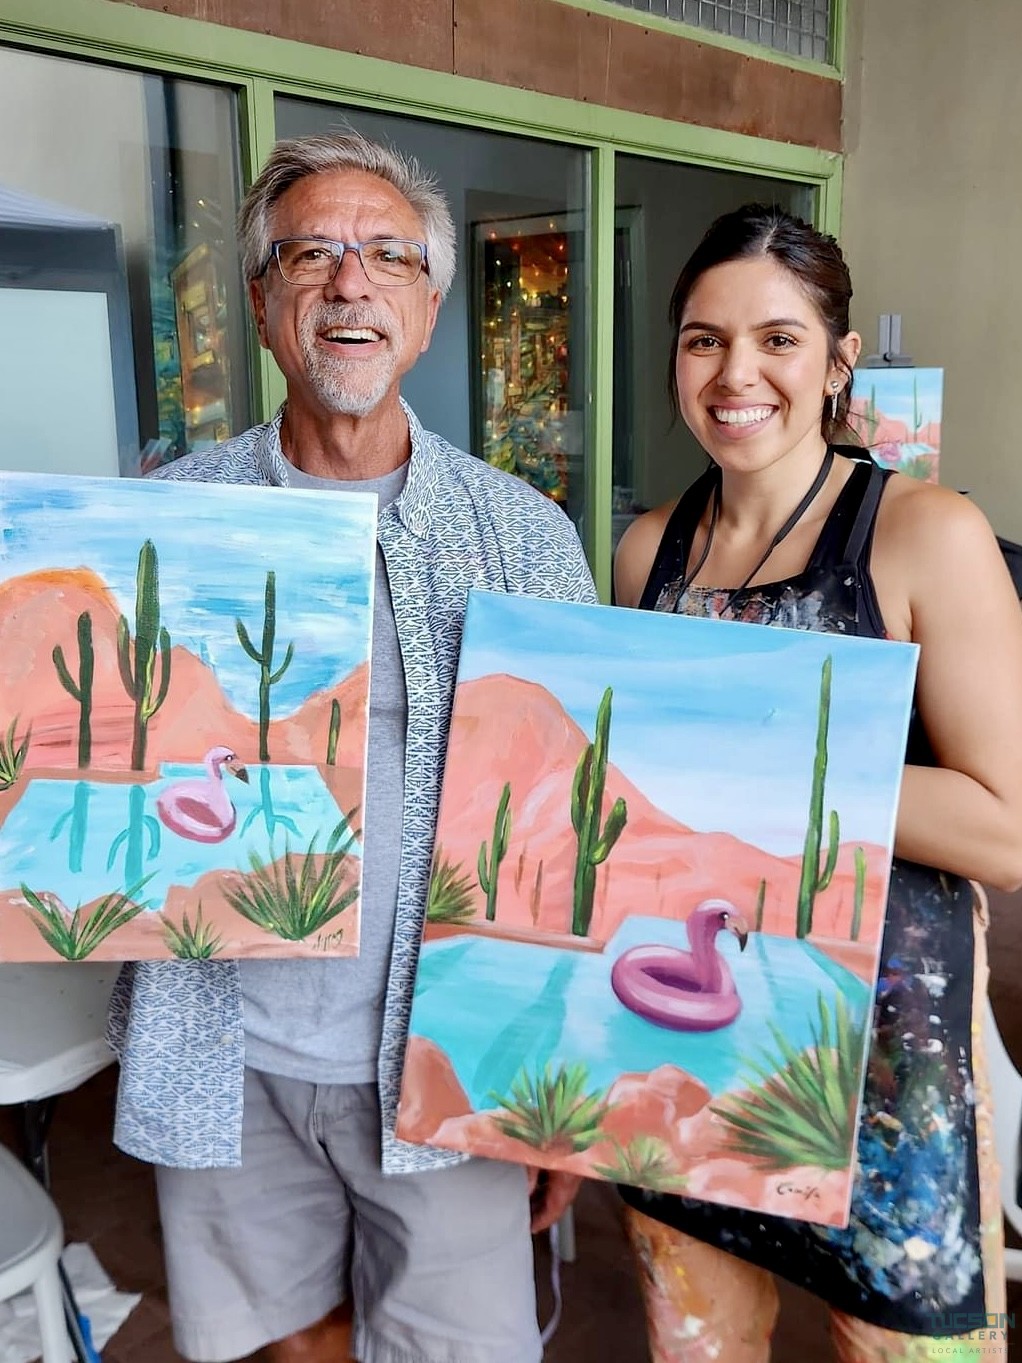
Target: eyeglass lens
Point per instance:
(316, 262)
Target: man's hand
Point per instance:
(551, 1193)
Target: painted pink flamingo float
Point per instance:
(200, 808)
(690, 991)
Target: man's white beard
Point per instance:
(349, 387)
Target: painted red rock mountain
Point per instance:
(40, 610)
(506, 729)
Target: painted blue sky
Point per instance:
(215, 545)
(715, 721)
(894, 392)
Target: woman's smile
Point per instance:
(738, 423)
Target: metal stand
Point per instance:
(566, 1236)
(888, 354)
(35, 1127)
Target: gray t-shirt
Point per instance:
(321, 1020)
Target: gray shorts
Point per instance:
(439, 1263)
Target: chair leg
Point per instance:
(566, 1236)
(50, 1308)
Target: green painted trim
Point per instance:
(600, 395)
(839, 35)
(829, 202)
(123, 33)
(693, 33)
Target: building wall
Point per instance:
(556, 49)
(933, 217)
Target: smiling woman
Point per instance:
(789, 528)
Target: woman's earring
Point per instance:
(833, 401)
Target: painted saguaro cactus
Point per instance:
(488, 865)
(334, 733)
(594, 844)
(860, 892)
(264, 657)
(760, 904)
(136, 657)
(813, 880)
(82, 689)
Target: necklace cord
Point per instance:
(810, 496)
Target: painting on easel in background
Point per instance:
(184, 674)
(897, 414)
(657, 901)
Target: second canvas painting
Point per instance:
(183, 705)
(657, 901)
(896, 413)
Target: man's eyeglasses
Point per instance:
(314, 261)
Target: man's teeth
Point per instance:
(741, 416)
(352, 334)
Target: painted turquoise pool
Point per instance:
(81, 839)
(496, 1006)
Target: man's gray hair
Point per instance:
(292, 159)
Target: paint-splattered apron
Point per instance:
(911, 1260)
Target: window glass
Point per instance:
(505, 375)
(800, 27)
(123, 337)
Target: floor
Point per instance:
(107, 1199)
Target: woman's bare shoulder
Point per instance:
(932, 547)
(922, 518)
(636, 551)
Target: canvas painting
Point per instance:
(896, 413)
(184, 675)
(657, 901)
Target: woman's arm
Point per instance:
(636, 552)
(960, 606)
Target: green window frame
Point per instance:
(260, 67)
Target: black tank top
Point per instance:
(909, 1259)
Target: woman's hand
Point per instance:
(551, 1193)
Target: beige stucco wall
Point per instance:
(933, 217)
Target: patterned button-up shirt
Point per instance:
(177, 1026)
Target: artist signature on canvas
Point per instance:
(809, 1192)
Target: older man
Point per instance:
(266, 1091)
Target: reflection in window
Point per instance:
(122, 316)
(524, 274)
(505, 375)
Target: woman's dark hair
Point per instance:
(814, 259)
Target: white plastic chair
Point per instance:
(1006, 1086)
(31, 1238)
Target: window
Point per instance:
(123, 339)
(799, 27)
